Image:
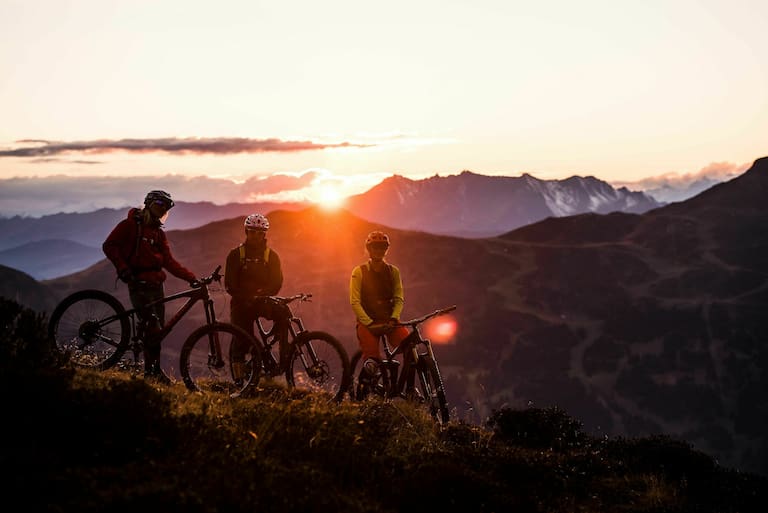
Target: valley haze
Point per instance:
(37, 196)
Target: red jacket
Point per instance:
(147, 260)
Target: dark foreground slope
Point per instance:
(77, 441)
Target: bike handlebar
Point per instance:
(288, 299)
(419, 320)
(214, 276)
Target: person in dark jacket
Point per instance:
(253, 272)
(139, 250)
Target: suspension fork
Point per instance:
(303, 349)
(210, 312)
(431, 354)
(137, 345)
(407, 379)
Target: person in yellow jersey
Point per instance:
(376, 297)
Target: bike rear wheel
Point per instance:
(319, 363)
(432, 388)
(92, 328)
(206, 360)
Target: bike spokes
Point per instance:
(320, 364)
(220, 358)
(91, 327)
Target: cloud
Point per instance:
(714, 172)
(39, 196)
(34, 196)
(278, 183)
(41, 149)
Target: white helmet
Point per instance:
(256, 222)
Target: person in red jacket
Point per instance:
(139, 250)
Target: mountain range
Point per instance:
(475, 206)
(636, 324)
(467, 205)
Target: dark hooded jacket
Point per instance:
(143, 249)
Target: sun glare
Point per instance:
(329, 197)
(441, 330)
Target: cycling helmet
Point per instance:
(377, 237)
(256, 222)
(163, 196)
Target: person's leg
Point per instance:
(152, 320)
(369, 343)
(370, 360)
(397, 335)
(242, 316)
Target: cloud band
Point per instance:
(191, 145)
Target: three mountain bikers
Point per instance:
(230, 357)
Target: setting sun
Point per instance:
(328, 197)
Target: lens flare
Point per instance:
(441, 330)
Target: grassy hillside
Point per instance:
(83, 441)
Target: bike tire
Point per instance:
(91, 328)
(206, 365)
(319, 363)
(432, 388)
(382, 386)
(354, 368)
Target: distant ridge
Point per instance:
(466, 205)
(47, 259)
(473, 205)
(25, 290)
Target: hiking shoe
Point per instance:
(370, 368)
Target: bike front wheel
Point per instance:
(92, 328)
(319, 363)
(381, 385)
(432, 389)
(207, 363)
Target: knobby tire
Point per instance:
(432, 388)
(206, 361)
(328, 372)
(79, 328)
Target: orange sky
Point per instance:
(356, 91)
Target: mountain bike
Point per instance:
(419, 362)
(95, 330)
(315, 361)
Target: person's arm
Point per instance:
(232, 273)
(398, 298)
(275, 281)
(355, 288)
(170, 263)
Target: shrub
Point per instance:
(537, 428)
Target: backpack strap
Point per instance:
(242, 255)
